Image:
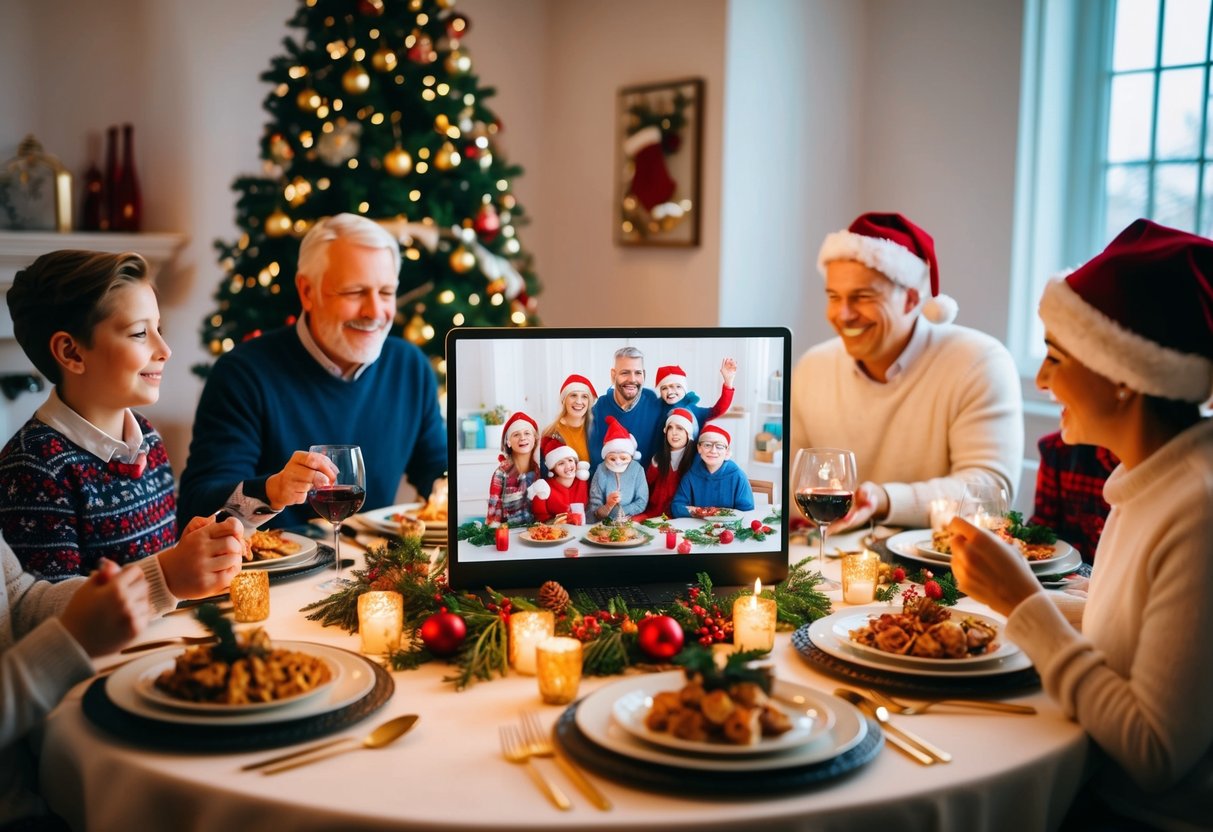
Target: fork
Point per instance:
(980, 704)
(515, 749)
(540, 745)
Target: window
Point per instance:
(1115, 125)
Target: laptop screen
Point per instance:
(588, 479)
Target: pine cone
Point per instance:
(554, 597)
(388, 580)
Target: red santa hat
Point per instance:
(715, 433)
(554, 450)
(617, 439)
(685, 419)
(898, 249)
(575, 384)
(1141, 312)
(670, 374)
(514, 424)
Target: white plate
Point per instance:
(643, 538)
(916, 545)
(356, 681)
(594, 719)
(306, 552)
(526, 536)
(146, 687)
(855, 618)
(381, 519)
(821, 632)
(631, 709)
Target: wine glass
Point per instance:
(342, 497)
(825, 480)
(984, 505)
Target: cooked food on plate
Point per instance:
(927, 630)
(542, 531)
(255, 672)
(1034, 542)
(613, 533)
(269, 544)
(740, 713)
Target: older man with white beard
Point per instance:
(334, 377)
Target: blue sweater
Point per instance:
(632, 487)
(268, 398)
(645, 421)
(727, 488)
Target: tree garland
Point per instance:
(609, 635)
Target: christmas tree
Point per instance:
(376, 111)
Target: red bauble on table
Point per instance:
(660, 637)
(443, 633)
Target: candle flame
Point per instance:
(758, 586)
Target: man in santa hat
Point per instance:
(925, 405)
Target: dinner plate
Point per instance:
(526, 536)
(146, 687)
(381, 519)
(642, 539)
(356, 680)
(630, 710)
(854, 618)
(306, 551)
(821, 633)
(596, 721)
(916, 545)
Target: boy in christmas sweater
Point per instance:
(567, 481)
(714, 481)
(618, 488)
(671, 385)
(87, 478)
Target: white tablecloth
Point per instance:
(1009, 772)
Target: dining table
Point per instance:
(1008, 771)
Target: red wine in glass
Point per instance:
(823, 483)
(824, 505)
(337, 502)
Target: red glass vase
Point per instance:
(129, 202)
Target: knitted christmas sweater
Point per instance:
(633, 491)
(703, 415)
(560, 499)
(269, 397)
(953, 413)
(726, 487)
(64, 508)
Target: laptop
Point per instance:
(524, 369)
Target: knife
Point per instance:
(169, 642)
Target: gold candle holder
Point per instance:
(558, 661)
(860, 574)
(250, 593)
(754, 621)
(380, 621)
(527, 629)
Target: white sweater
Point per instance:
(954, 413)
(1139, 677)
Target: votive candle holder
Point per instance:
(527, 629)
(558, 662)
(754, 621)
(380, 621)
(860, 574)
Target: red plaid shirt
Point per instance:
(1069, 491)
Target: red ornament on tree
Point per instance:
(443, 632)
(660, 637)
(487, 223)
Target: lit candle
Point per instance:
(503, 537)
(941, 511)
(527, 629)
(380, 621)
(250, 593)
(558, 661)
(754, 621)
(860, 573)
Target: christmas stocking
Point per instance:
(651, 182)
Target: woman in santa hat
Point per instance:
(567, 481)
(508, 498)
(671, 461)
(714, 481)
(572, 426)
(1130, 359)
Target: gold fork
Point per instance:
(515, 749)
(980, 704)
(540, 745)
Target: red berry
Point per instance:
(726, 536)
(684, 548)
(899, 575)
(766, 529)
(933, 590)
(756, 525)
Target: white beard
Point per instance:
(616, 467)
(334, 337)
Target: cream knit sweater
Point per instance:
(954, 414)
(1139, 677)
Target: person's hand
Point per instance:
(109, 609)
(870, 501)
(613, 499)
(205, 559)
(988, 569)
(303, 472)
(728, 371)
(540, 489)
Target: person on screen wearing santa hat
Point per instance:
(509, 501)
(572, 426)
(714, 481)
(618, 489)
(671, 385)
(1129, 339)
(567, 481)
(925, 405)
(670, 462)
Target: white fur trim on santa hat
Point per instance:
(621, 446)
(642, 138)
(894, 261)
(556, 454)
(583, 470)
(1119, 354)
(940, 309)
(676, 418)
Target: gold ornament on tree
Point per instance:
(398, 162)
(356, 80)
(414, 332)
(308, 100)
(277, 224)
(462, 260)
(446, 157)
(384, 59)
